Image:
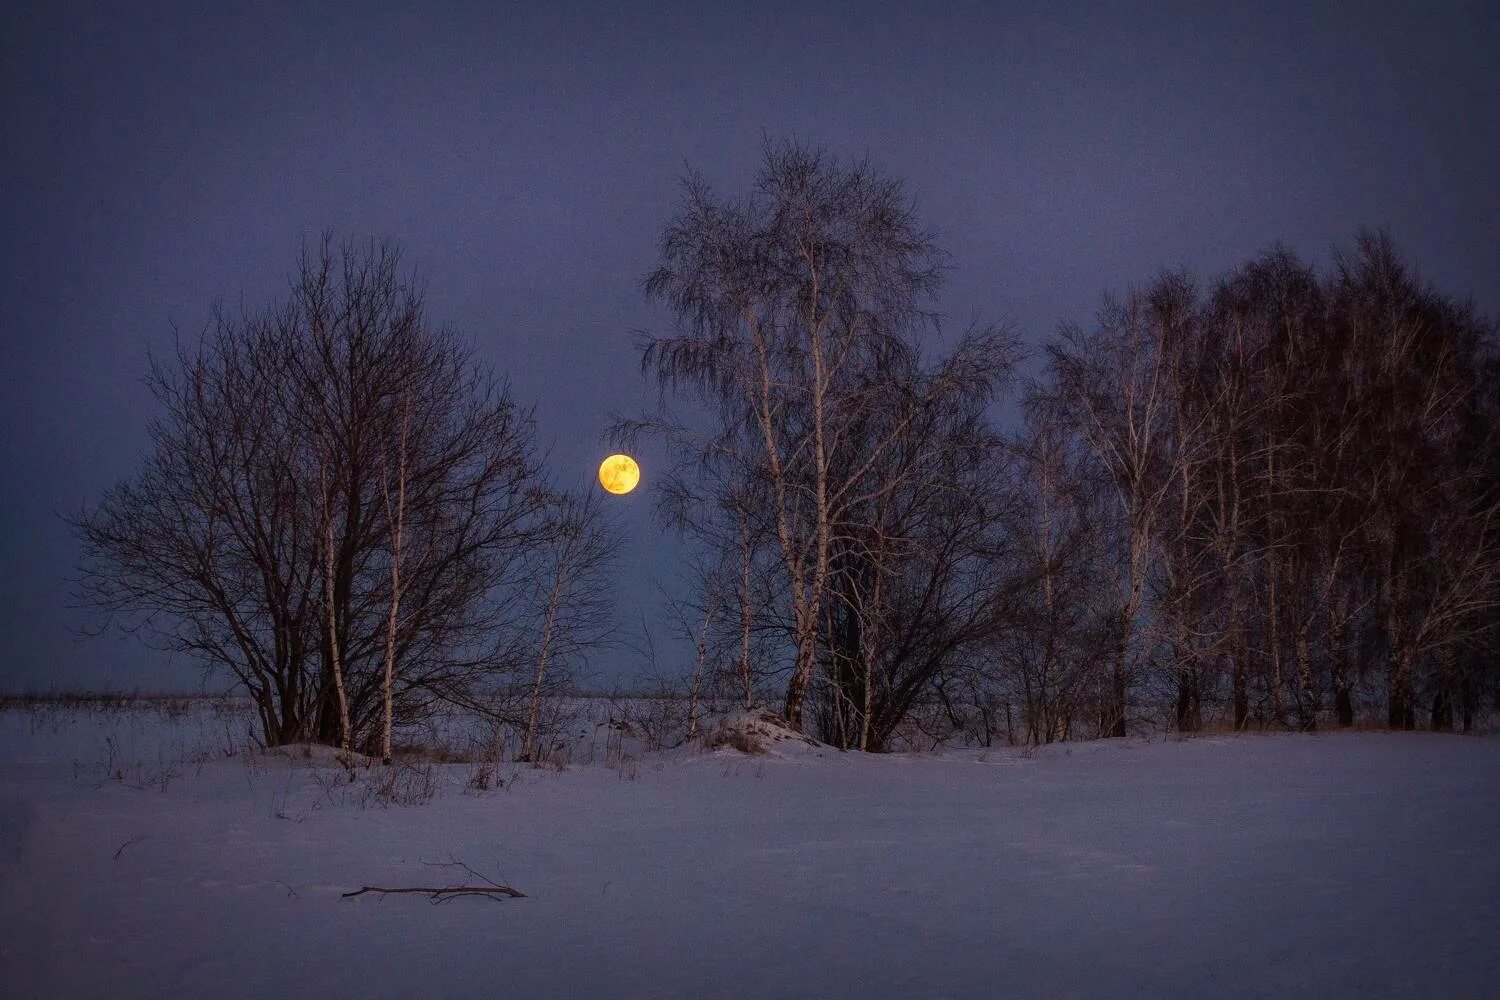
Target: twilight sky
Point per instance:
(526, 156)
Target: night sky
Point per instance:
(527, 157)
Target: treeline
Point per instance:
(1254, 502)
(1236, 503)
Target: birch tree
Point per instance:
(796, 309)
(1116, 385)
(576, 611)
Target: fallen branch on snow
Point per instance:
(442, 894)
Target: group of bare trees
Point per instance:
(1238, 505)
(1302, 490)
(347, 513)
(1272, 501)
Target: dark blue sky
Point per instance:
(527, 157)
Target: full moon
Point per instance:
(619, 474)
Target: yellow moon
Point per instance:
(619, 474)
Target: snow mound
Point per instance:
(758, 732)
(319, 755)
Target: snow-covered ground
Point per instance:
(138, 858)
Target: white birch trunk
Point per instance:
(331, 618)
(397, 518)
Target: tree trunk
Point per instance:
(1343, 699)
(334, 658)
(1188, 701)
(1278, 682)
(1401, 705)
(529, 741)
(1307, 695)
(809, 618)
(708, 614)
(1442, 711)
(868, 646)
(1343, 695)
(1117, 694)
(796, 688)
(745, 618)
(1443, 697)
(1241, 694)
(1239, 683)
(397, 519)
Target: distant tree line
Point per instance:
(1272, 500)
(1238, 504)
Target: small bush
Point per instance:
(482, 778)
(405, 784)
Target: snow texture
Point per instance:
(1340, 865)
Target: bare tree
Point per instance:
(1116, 386)
(796, 313)
(1059, 619)
(920, 578)
(258, 539)
(576, 611)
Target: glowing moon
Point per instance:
(619, 474)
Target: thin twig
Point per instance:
(132, 840)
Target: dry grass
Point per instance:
(752, 733)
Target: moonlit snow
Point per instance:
(139, 859)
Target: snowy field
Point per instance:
(139, 857)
